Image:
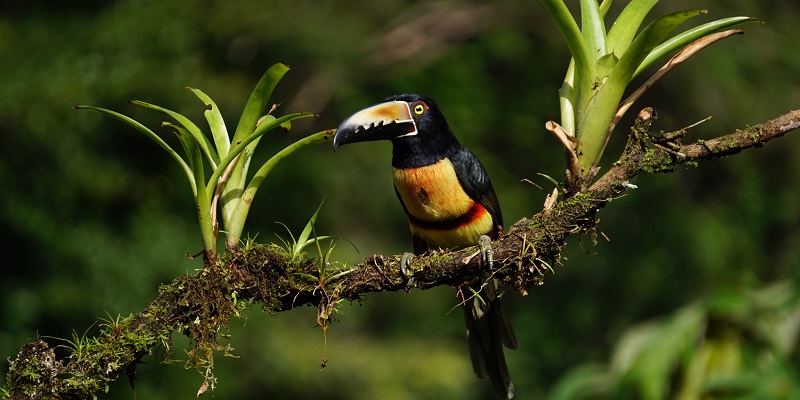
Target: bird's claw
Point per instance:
(405, 264)
(485, 244)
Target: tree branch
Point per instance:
(200, 305)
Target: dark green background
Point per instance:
(94, 216)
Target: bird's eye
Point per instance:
(419, 109)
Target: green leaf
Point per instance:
(195, 156)
(248, 123)
(215, 121)
(149, 133)
(568, 98)
(689, 36)
(290, 247)
(237, 219)
(584, 64)
(212, 182)
(267, 167)
(269, 122)
(232, 191)
(258, 101)
(302, 240)
(597, 116)
(193, 153)
(627, 24)
(202, 140)
(605, 65)
(568, 94)
(593, 29)
(307, 237)
(650, 37)
(314, 240)
(604, 6)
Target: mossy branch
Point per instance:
(201, 304)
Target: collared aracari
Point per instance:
(450, 204)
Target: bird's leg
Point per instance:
(405, 264)
(485, 244)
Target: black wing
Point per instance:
(476, 183)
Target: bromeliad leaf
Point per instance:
(265, 169)
(584, 66)
(593, 29)
(231, 158)
(193, 153)
(249, 139)
(650, 37)
(235, 217)
(149, 133)
(689, 36)
(202, 140)
(218, 130)
(303, 238)
(269, 122)
(593, 125)
(604, 6)
(258, 101)
(627, 24)
(605, 65)
(208, 226)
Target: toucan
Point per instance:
(450, 204)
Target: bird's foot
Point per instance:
(405, 268)
(485, 244)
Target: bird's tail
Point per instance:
(488, 330)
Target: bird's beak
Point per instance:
(379, 122)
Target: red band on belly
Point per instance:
(475, 212)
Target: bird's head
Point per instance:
(405, 117)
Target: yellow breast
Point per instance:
(432, 193)
(440, 212)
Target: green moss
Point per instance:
(755, 133)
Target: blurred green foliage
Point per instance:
(94, 218)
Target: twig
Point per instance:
(568, 142)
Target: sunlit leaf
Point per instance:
(604, 6)
(605, 65)
(650, 37)
(599, 112)
(236, 221)
(192, 149)
(195, 157)
(584, 63)
(265, 169)
(202, 140)
(149, 133)
(302, 240)
(249, 139)
(568, 99)
(214, 117)
(593, 29)
(258, 101)
(627, 24)
(689, 36)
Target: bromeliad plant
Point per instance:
(226, 186)
(605, 62)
